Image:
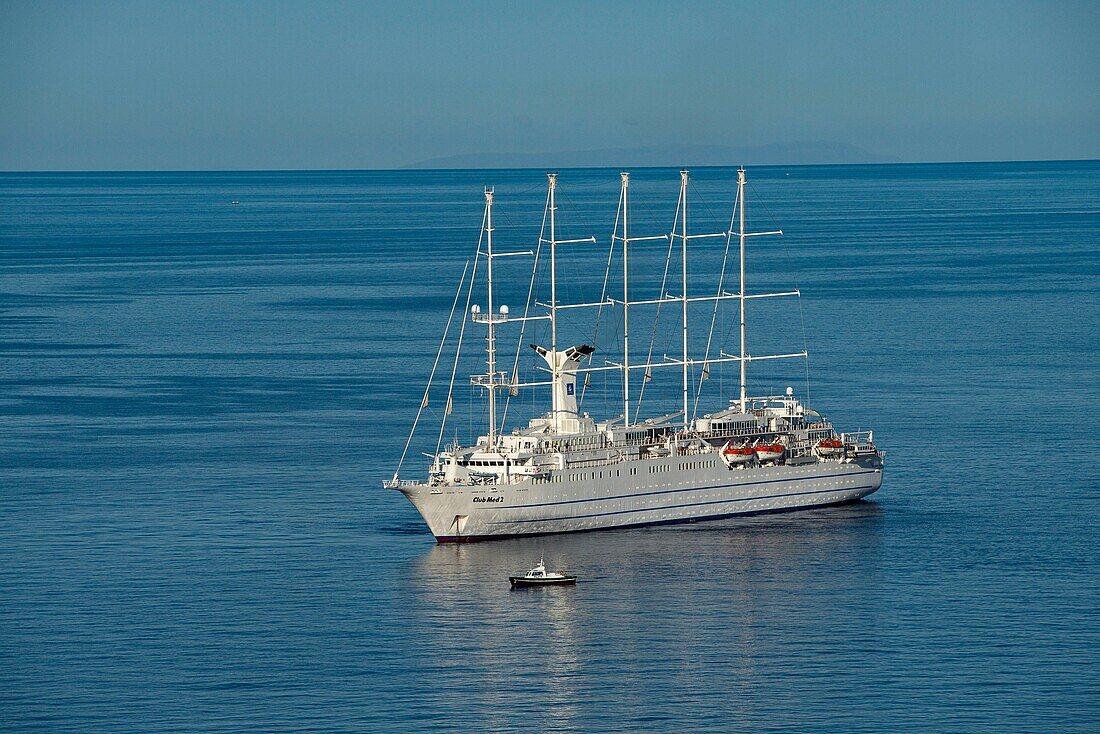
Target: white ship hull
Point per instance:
(669, 490)
(566, 471)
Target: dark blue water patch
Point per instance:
(179, 394)
(392, 302)
(24, 348)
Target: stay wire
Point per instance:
(526, 311)
(794, 277)
(461, 334)
(431, 375)
(714, 314)
(647, 376)
(603, 297)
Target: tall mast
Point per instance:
(741, 233)
(626, 306)
(553, 269)
(558, 360)
(684, 283)
(492, 331)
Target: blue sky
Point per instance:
(201, 85)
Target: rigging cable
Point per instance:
(431, 375)
(461, 333)
(794, 277)
(603, 297)
(704, 375)
(648, 374)
(526, 311)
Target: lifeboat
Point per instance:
(769, 452)
(734, 455)
(830, 447)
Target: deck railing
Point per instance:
(395, 483)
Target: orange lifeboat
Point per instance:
(769, 452)
(830, 447)
(734, 455)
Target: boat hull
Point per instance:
(523, 581)
(737, 459)
(659, 491)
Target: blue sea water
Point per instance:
(199, 402)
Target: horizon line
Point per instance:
(414, 168)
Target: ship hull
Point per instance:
(670, 490)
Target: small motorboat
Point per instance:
(235, 202)
(539, 576)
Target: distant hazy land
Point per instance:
(667, 155)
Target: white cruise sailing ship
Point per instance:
(566, 471)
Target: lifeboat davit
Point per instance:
(734, 455)
(769, 452)
(830, 447)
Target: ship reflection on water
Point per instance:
(724, 597)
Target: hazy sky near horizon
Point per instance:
(247, 85)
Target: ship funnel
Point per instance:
(563, 366)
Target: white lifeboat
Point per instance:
(828, 447)
(737, 455)
(769, 452)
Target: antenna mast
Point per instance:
(626, 305)
(553, 269)
(741, 234)
(684, 285)
(492, 348)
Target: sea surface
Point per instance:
(200, 400)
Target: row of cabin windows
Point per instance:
(583, 476)
(697, 465)
(632, 471)
(481, 463)
(590, 441)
